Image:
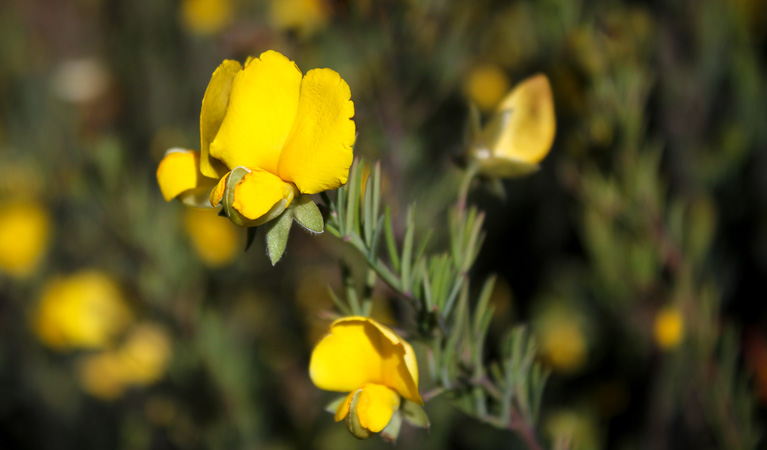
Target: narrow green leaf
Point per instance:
(376, 189)
(391, 244)
(414, 414)
(407, 250)
(339, 304)
(367, 212)
(277, 232)
(426, 287)
(482, 303)
(376, 241)
(307, 214)
(352, 200)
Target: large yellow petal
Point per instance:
(318, 153)
(258, 192)
(214, 105)
(376, 405)
(262, 107)
(179, 171)
(530, 132)
(358, 351)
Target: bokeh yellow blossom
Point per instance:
(306, 17)
(267, 134)
(24, 235)
(214, 239)
(140, 360)
(485, 86)
(377, 367)
(668, 329)
(520, 133)
(206, 17)
(561, 337)
(83, 310)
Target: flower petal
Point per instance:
(376, 405)
(318, 152)
(358, 351)
(262, 107)
(258, 192)
(529, 133)
(179, 171)
(214, 105)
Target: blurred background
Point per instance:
(637, 254)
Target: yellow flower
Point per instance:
(206, 16)
(24, 234)
(304, 16)
(485, 86)
(669, 328)
(561, 335)
(370, 361)
(267, 135)
(521, 132)
(141, 360)
(85, 310)
(214, 238)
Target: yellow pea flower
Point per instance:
(24, 234)
(267, 134)
(669, 328)
(520, 133)
(377, 367)
(83, 310)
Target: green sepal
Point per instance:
(277, 232)
(352, 420)
(332, 407)
(307, 214)
(414, 414)
(391, 430)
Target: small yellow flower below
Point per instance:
(24, 235)
(370, 361)
(669, 328)
(83, 310)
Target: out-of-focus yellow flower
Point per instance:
(520, 133)
(486, 85)
(304, 16)
(561, 338)
(214, 238)
(669, 328)
(267, 134)
(370, 361)
(84, 310)
(24, 235)
(206, 16)
(141, 360)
